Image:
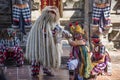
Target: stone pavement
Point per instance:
(23, 73)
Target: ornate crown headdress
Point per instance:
(77, 28)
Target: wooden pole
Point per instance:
(86, 19)
(11, 12)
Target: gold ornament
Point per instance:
(79, 29)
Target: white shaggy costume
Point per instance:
(43, 45)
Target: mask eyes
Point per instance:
(52, 12)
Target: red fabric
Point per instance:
(96, 40)
(44, 3)
(70, 24)
(54, 2)
(50, 3)
(97, 56)
(76, 23)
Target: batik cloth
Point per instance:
(97, 11)
(21, 18)
(25, 13)
(99, 68)
(35, 67)
(101, 16)
(15, 53)
(98, 53)
(2, 58)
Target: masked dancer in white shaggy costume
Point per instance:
(44, 41)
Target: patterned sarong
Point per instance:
(25, 13)
(98, 11)
(99, 68)
(21, 18)
(101, 16)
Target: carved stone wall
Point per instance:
(35, 4)
(35, 9)
(114, 34)
(73, 10)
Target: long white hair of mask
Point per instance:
(40, 43)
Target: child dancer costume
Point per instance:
(80, 59)
(43, 44)
(100, 57)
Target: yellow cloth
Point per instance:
(86, 65)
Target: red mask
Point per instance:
(96, 40)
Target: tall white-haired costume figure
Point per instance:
(43, 44)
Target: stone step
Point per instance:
(11, 62)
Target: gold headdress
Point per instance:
(71, 28)
(77, 28)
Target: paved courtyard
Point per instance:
(23, 73)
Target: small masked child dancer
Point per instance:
(100, 57)
(79, 64)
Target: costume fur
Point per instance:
(41, 43)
